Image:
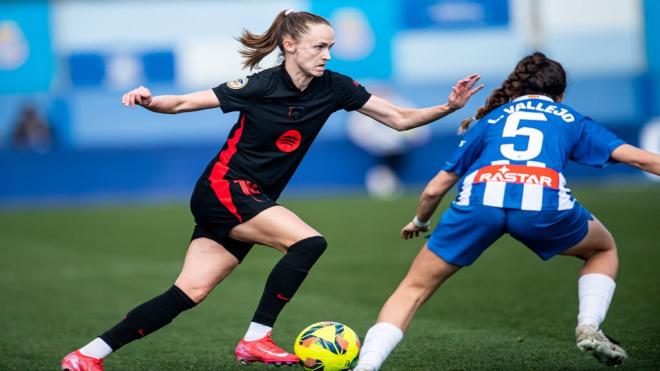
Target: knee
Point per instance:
(606, 245)
(306, 252)
(195, 292)
(310, 246)
(610, 243)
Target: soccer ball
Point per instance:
(327, 346)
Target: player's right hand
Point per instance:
(410, 230)
(140, 96)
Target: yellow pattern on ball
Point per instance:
(327, 346)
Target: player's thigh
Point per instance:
(598, 239)
(277, 226)
(206, 264)
(428, 271)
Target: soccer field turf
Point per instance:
(69, 274)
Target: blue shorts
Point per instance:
(464, 232)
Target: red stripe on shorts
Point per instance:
(218, 182)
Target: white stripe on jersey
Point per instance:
(565, 201)
(494, 191)
(532, 197)
(466, 190)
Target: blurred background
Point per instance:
(92, 194)
(65, 137)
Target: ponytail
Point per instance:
(255, 47)
(534, 74)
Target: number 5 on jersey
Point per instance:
(511, 130)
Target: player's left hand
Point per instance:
(462, 91)
(410, 230)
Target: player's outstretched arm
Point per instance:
(433, 193)
(400, 119)
(639, 158)
(170, 103)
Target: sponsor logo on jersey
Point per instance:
(520, 174)
(289, 141)
(238, 83)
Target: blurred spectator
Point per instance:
(387, 146)
(32, 132)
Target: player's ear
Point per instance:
(289, 45)
(560, 98)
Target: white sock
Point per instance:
(97, 348)
(256, 331)
(595, 292)
(378, 344)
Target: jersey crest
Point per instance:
(238, 83)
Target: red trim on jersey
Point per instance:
(518, 174)
(219, 184)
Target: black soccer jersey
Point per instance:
(277, 124)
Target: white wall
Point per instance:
(201, 33)
(589, 37)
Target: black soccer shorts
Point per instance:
(220, 206)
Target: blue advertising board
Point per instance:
(26, 55)
(454, 14)
(363, 36)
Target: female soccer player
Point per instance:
(510, 169)
(234, 204)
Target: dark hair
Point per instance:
(287, 23)
(534, 74)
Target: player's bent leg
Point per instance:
(427, 272)
(282, 283)
(206, 264)
(595, 290)
(277, 227)
(302, 245)
(598, 250)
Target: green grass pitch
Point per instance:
(68, 274)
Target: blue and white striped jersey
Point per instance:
(514, 157)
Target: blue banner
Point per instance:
(363, 35)
(455, 14)
(652, 38)
(26, 56)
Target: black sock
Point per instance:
(286, 277)
(148, 317)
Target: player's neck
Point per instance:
(300, 79)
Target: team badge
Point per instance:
(238, 83)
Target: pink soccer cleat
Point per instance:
(264, 350)
(76, 361)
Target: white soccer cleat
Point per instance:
(606, 350)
